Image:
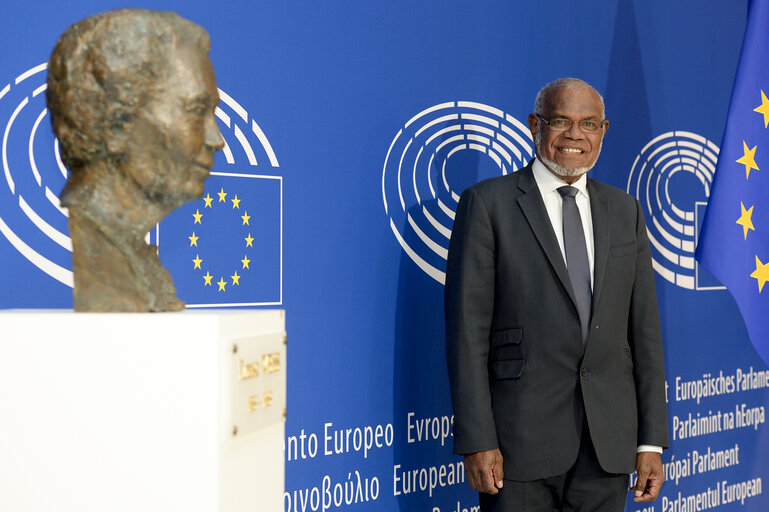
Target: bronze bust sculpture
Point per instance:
(132, 95)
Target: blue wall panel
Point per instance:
(316, 94)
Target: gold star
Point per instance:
(745, 219)
(249, 240)
(193, 239)
(761, 273)
(222, 283)
(208, 200)
(748, 159)
(236, 202)
(245, 219)
(245, 261)
(197, 216)
(222, 195)
(763, 108)
(197, 261)
(207, 278)
(235, 278)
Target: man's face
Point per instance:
(573, 151)
(172, 140)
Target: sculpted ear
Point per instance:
(117, 127)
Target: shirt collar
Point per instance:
(549, 182)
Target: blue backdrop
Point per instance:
(351, 128)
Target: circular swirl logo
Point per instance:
(672, 177)
(436, 155)
(31, 217)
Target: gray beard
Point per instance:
(558, 169)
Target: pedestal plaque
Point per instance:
(152, 412)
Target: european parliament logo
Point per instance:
(239, 246)
(431, 160)
(31, 219)
(672, 177)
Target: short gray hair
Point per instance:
(557, 85)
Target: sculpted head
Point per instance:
(568, 126)
(133, 92)
(132, 97)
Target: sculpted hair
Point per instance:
(557, 85)
(103, 70)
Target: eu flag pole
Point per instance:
(734, 242)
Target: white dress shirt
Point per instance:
(548, 184)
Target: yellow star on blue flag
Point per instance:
(740, 261)
(225, 249)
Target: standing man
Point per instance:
(553, 339)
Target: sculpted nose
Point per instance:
(214, 137)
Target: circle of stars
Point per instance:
(198, 262)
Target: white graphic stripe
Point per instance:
(429, 110)
(246, 146)
(440, 251)
(426, 267)
(59, 163)
(400, 166)
(479, 128)
(414, 175)
(477, 147)
(7, 171)
(224, 117)
(61, 274)
(51, 232)
(234, 105)
(265, 143)
(54, 200)
(384, 168)
(31, 146)
(448, 211)
(450, 117)
(499, 149)
(227, 152)
(437, 225)
(479, 138)
(481, 106)
(522, 143)
(31, 72)
(430, 175)
(437, 134)
(481, 119)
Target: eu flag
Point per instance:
(734, 243)
(225, 249)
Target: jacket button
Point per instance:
(584, 372)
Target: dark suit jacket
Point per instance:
(520, 378)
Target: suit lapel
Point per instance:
(536, 215)
(600, 213)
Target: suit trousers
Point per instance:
(586, 487)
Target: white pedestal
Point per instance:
(137, 412)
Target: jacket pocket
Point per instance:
(507, 357)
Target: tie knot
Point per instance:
(567, 191)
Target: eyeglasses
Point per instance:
(561, 124)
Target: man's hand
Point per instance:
(650, 476)
(484, 471)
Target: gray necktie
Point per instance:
(576, 257)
